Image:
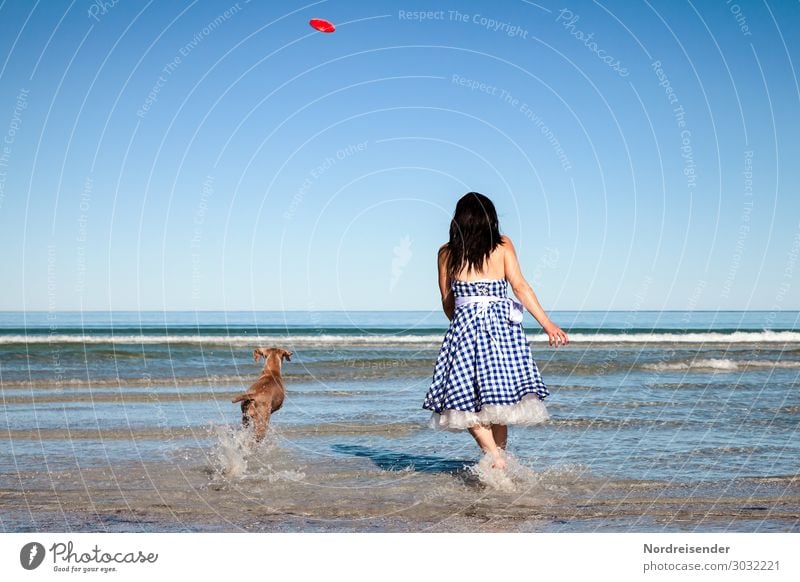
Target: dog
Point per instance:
(265, 396)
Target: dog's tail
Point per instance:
(242, 397)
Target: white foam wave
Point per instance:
(244, 340)
(691, 337)
(389, 339)
(720, 364)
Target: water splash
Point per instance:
(235, 447)
(231, 450)
(519, 477)
(237, 454)
(509, 479)
(274, 475)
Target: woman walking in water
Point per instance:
(485, 377)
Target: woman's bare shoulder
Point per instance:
(505, 247)
(444, 249)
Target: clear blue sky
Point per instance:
(205, 155)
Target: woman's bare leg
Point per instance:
(500, 434)
(485, 439)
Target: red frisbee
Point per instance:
(321, 25)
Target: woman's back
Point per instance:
(493, 268)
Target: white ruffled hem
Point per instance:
(528, 411)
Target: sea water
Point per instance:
(123, 421)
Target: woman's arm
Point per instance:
(448, 301)
(524, 292)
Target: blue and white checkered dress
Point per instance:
(485, 372)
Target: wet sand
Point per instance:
(234, 485)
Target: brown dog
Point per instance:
(266, 394)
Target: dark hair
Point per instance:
(474, 233)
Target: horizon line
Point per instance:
(373, 310)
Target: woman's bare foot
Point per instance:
(499, 459)
(484, 436)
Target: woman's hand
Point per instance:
(555, 334)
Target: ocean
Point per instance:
(660, 421)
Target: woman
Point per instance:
(485, 376)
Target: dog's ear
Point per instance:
(287, 355)
(257, 353)
(242, 397)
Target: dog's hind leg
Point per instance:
(248, 410)
(261, 421)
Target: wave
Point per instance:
(150, 381)
(150, 397)
(723, 364)
(168, 379)
(155, 433)
(607, 422)
(327, 340)
(729, 450)
(326, 373)
(785, 410)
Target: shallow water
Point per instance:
(285, 484)
(684, 435)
